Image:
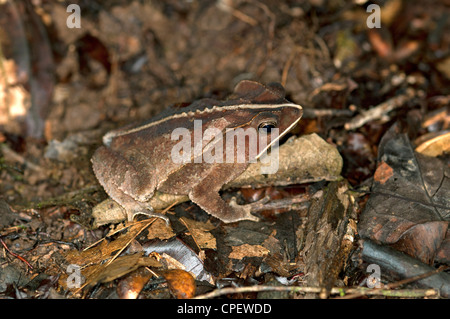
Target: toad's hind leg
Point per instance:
(119, 178)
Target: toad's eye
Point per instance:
(267, 127)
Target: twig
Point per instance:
(410, 293)
(329, 87)
(226, 6)
(265, 204)
(16, 255)
(379, 111)
(271, 25)
(398, 283)
(401, 265)
(64, 199)
(309, 113)
(287, 67)
(242, 16)
(415, 278)
(10, 154)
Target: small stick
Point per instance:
(415, 278)
(309, 113)
(336, 290)
(9, 153)
(287, 66)
(397, 283)
(226, 6)
(379, 111)
(16, 255)
(265, 204)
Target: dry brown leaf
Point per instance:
(381, 45)
(160, 230)
(435, 146)
(383, 173)
(444, 67)
(410, 210)
(181, 283)
(272, 243)
(116, 269)
(246, 250)
(200, 233)
(105, 249)
(170, 263)
(131, 285)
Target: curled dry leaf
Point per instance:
(435, 145)
(181, 283)
(305, 159)
(132, 285)
(182, 253)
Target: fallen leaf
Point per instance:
(182, 253)
(170, 262)
(130, 286)
(443, 254)
(200, 231)
(383, 173)
(390, 10)
(405, 50)
(106, 250)
(181, 283)
(118, 268)
(444, 67)
(160, 230)
(272, 243)
(381, 42)
(411, 210)
(246, 250)
(102, 254)
(435, 145)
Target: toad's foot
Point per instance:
(246, 209)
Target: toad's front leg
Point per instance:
(206, 194)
